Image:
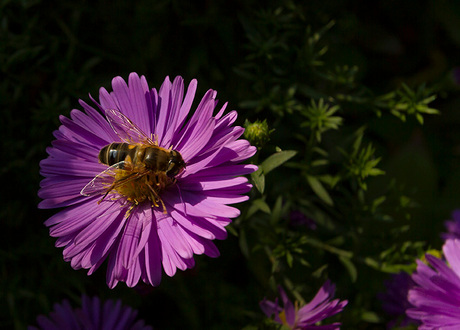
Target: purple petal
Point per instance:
(288, 307)
(163, 113)
(173, 121)
(132, 100)
(195, 184)
(451, 250)
(200, 205)
(151, 260)
(199, 226)
(169, 231)
(135, 235)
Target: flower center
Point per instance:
(140, 187)
(282, 316)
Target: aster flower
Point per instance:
(299, 219)
(162, 219)
(452, 226)
(93, 315)
(308, 315)
(455, 75)
(436, 297)
(394, 299)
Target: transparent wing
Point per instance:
(102, 182)
(105, 181)
(125, 128)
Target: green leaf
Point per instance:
(244, 246)
(318, 273)
(419, 118)
(430, 111)
(258, 178)
(289, 259)
(370, 317)
(351, 268)
(319, 162)
(276, 160)
(329, 179)
(357, 144)
(377, 202)
(261, 205)
(304, 262)
(231, 229)
(375, 171)
(277, 209)
(319, 190)
(372, 262)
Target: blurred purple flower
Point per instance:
(308, 315)
(436, 297)
(394, 300)
(142, 239)
(93, 315)
(456, 75)
(452, 226)
(298, 218)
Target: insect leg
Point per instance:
(118, 184)
(155, 198)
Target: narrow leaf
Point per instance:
(243, 242)
(261, 205)
(276, 160)
(351, 268)
(258, 178)
(319, 190)
(276, 212)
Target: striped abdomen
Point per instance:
(117, 152)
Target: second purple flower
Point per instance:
(308, 316)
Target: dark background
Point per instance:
(53, 53)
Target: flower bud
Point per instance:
(257, 133)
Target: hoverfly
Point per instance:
(139, 169)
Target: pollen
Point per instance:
(137, 188)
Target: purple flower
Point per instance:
(452, 226)
(436, 298)
(394, 300)
(92, 316)
(155, 216)
(299, 219)
(308, 315)
(456, 75)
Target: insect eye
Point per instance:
(176, 163)
(173, 170)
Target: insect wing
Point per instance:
(102, 182)
(125, 128)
